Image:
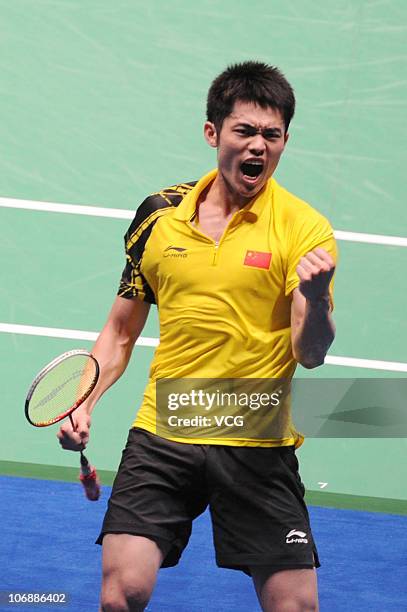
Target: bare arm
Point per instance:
(112, 350)
(312, 327)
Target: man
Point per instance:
(241, 271)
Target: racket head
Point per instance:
(61, 387)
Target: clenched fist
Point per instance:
(315, 271)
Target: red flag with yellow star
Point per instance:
(257, 259)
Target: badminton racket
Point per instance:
(59, 389)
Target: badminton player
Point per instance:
(241, 271)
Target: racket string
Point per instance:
(61, 389)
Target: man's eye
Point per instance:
(250, 132)
(269, 135)
(244, 132)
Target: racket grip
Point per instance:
(91, 483)
(89, 479)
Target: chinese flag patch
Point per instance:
(257, 259)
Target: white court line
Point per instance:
(73, 209)
(121, 213)
(55, 332)
(75, 334)
(371, 238)
(373, 364)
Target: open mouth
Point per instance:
(252, 169)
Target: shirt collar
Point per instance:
(187, 208)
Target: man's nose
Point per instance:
(257, 145)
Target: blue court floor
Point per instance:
(47, 546)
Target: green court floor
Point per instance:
(103, 103)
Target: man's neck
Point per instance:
(218, 195)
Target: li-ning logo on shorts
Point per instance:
(300, 539)
(174, 251)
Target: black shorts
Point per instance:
(255, 496)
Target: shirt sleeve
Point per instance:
(307, 234)
(133, 284)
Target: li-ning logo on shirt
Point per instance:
(300, 539)
(174, 251)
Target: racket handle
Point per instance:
(89, 479)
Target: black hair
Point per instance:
(249, 82)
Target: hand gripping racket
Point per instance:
(59, 389)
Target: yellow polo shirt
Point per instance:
(224, 309)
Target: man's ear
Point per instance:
(210, 134)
